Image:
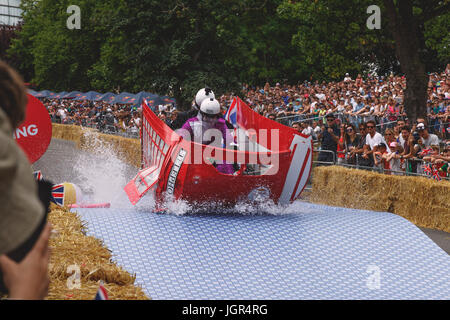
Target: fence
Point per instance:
(418, 163)
(383, 123)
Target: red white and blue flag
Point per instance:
(426, 152)
(436, 175)
(101, 293)
(38, 175)
(232, 112)
(428, 170)
(58, 194)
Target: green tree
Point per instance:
(175, 47)
(52, 56)
(334, 39)
(407, 20)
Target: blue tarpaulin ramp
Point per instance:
(318, 253)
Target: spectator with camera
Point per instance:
(350, 144)
(329, 138)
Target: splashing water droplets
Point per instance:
(103, 176)
(102, 173)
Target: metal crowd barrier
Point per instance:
(379, 169)
(381, 123)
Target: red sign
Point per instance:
(34, 134)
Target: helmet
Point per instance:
(202, 94)
(109, 110)
(210, 107)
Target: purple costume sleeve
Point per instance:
(226, 168)
(186, 129)
(222, 126)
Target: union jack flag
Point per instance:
(436, 175)
(38, 175)
(232, 112)
(58, 194)
(101, 293)
(427, 169)
(425, 152)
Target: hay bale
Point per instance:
(422, 201)
(128, 149)
(71, 247)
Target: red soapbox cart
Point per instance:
(273, 161)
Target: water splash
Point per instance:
(102, 173)
(255, 208)
(103, 176)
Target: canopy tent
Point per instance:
(45, 94)
(59, 95)
(109, 96)
(124, 98)
(155, 101)
(91, 95)
(168, 100)
(72, 95)
(144, 95)
(32, 92)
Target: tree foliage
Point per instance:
(175, 47)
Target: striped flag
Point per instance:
(425, 152)
(101, 293)
(436, 175)
(427, 169)
(58, 194)
(231, 115)
(38, 175)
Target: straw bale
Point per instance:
(71, 247)
(128, 149)
(422, 201)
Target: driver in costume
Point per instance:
(209, 117)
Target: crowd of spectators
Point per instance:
(97, 114)
(355, 105)
(402, 149)
(353, 101)
(363, 121)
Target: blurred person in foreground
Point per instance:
(24, 231)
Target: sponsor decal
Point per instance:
(34, 134)
(174, 171)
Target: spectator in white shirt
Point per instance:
(373, 139)
(428, 139)
(307, 129)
